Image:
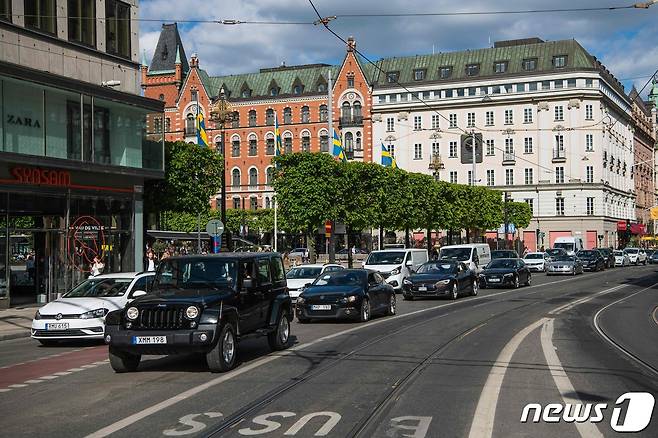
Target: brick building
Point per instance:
(298, 95)
(643, 167)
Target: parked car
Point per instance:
(536, 261)
(565, 264)
(299, 253)
(621, 258)
(654, 257)
(475, 255)
(348, 293)
(345, 251)
(81, 312)
(395, 264)
(591, 259)
(441, 278)
(204, 304)
(505, 272)
(504, 254)
(608, 256)
(555, 252)
(637, 255)
(570, 244)
(649, 253)
(300, 276)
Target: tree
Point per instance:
(519, 214)
(192, 177)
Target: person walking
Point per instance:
(97, 267)
(150, 261)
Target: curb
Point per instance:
(19, 335)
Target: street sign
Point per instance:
(214, 228)
(654, 213)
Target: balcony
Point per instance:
(189, 131)
(346, 121)
(559, 155)
(509, 158)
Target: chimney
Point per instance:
(194, 61)
(351, 44)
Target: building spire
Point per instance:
(178, 61)
(144, 63)
(653, 94)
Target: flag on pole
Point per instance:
(201, 135)
(387, 159)
(338, 151)
(277, 136)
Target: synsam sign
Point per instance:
(38, 176)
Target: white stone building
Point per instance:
(556, 131)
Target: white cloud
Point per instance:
(625, 41)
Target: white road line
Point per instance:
(5, 390)
(564, 386)
(51, 377)
(73, 370)
(63, 373)
(138, 416)
(17, 385)
(33, 381)
(91, 365)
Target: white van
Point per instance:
(570, 244)
(475, 255)
(396, 264)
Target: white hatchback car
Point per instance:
(536, 261)
(636, 255)
(80, 313)
(621, 258)
(300, 276)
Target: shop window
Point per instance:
(22, 113)
(102, 136)
(82, 22)
(41, 15)
(117, 28)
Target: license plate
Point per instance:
(149, 339)
(494, 280)
(321, 307)
(57, 326)
(422, 289)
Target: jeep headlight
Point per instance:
(395, 271)
(192, 312)
(442, 283)
(98, 313)
(132, 313)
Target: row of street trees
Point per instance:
(312, 188)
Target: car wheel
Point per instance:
(516, 282)
(222, 357)
(47, 342)
(279, 339)
(122, 362)
(454, 294)
(474, 290)
(391, 305)
(527, 283)
(364, 315)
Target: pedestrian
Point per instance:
(97, 267)
(542, 248)
(30, 266)
(150, 261)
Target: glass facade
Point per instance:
(44, 121)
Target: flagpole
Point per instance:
(276, 230)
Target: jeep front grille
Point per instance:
(162, 318)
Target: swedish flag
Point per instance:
(388, 160)
(277, 136)
(201, 135)
(338, 150)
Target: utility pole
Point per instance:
(506, 219)
(331, 248)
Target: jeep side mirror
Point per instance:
(138, 293)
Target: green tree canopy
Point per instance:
(519, 214)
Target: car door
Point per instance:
(463, 274)
(265, 288)
(374, 290)
(250, 298)
(279, 284)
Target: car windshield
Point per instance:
(503, 255)
(341, 278)
(534, 256)
(502, 264)
(461, 254)
(631, 250)
(587, 254)
(604, 251)
(385, 258)
(619, 253)
(303, 272)
(100, 287)
(566, 246)
(437, 268)
(185, 277)
(565, 258)
(555, 251)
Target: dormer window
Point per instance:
(500, 67)
(560, 61)
(529, 64)
(274, 91)
(322, 88)
(297, 89)
(419, 74)
(472, 69)
(246, 93)
(445, 72)
(392, 77)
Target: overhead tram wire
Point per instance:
(228, 22)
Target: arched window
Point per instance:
(346, 111)
(190, 124)
(356, 111)
(218, 145)
(269, 143)
(235, 178)
(324, 114)
(269, 175)
(306, 114)
(253, 203)
(287, 142)
(297, 89)
(287, 115)
(253, 145)
(358, 142)
(269, 117)
(267, 202)
(306, 141)
(235, 146)
(252, 118)
(324, 141)
(253, 177)
(349, 142)
(235, 119)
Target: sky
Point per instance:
(625, 41)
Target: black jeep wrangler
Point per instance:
(203, 304)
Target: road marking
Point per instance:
(654, 315)
(63, 373)
(564, 386)
(485, 412)
(33, 381)
(51, 377)
(5, 390)
(76, 369)
(140, 415)
(17, 385)
(91, 365)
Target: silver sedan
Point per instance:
(565, 265)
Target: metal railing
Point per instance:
(509, 156)
(559, 153)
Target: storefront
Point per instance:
(74, 159)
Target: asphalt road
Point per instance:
(438, 369)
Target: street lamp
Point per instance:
(435, 166)
(221, 113)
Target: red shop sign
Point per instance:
(621, 226)
(41, 177)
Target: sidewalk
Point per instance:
(16, 322)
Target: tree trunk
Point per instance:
(429, 243)
(407, 240)
(381, 238)
(310, 244)
(349, 247)
(450, 237)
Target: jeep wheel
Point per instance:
(222, 357)
(364, 316)
(392, 304)
(279, 339)
(123, 362)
